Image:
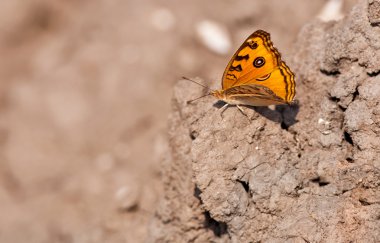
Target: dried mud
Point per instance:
(303, 173)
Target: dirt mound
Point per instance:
(309, 172)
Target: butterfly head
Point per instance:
(217, 94)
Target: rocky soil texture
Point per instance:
(303, 173)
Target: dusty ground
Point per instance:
(85, 93)
(309, 172)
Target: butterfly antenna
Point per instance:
(204, 86)
(190, 101)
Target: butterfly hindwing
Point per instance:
(280, 81)
(253, 94)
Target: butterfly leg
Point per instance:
(241, 110)
(224, 108)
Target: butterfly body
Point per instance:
(256, 75)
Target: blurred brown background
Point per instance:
(84, 96)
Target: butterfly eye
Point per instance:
(259, 62)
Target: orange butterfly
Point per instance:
(256, 75)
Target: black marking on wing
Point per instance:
(239, 58)
(292, 82)
(229, 75)
(252, 44)
(286, 84)
(238, 68)
(263, 78)
(259, 62)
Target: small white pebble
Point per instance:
(323, 121)
(257, 147)
(127, 197)
(163, 19)
(332, 10)
(214, 36)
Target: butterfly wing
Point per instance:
(258, 62)
(253, 94)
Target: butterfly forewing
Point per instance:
(255, 58)
(257, 62)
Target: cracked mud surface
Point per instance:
(303, 173)
(84, 97)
